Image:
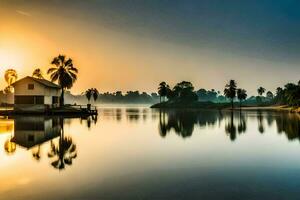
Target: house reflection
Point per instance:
(32, 131)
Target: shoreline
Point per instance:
(269, 108)
(215, 106)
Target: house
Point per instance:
(34, 94)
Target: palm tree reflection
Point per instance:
(9, 147)
(36, 154)
(260, 119)
(242, 126)
(230, 127)
(64, 152)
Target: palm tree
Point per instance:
(163, 90)
(37, 73)
(88, 94)
(92, 92)
(95, 94)
(230, 91)
(241, 95)
(64, 72)
(261, 91)
(10, 77)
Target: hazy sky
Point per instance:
(135, 44)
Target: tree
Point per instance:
(95, 94)
(10, 77)
(163, 90)
(230, 91)
(261, 91)
(184, 91)
(269, 95)
(241, 95)
(92, 92)
(88, 94)
(64, 72)
(292, 94)
(37, 73)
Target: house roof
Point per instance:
(41, 81)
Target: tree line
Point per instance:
(184, 92)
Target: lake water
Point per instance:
(139, 153)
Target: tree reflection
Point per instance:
(183, 121)
(9, 147)
(37, 154)
(64, 152)
(230, 127)
(242, 125)
(260, 119)
(289, 124)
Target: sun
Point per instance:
(10, 59)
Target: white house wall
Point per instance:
(21, 88)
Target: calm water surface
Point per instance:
(139, 153)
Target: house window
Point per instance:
(54, 100)
(30, 86)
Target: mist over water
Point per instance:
(133, 152)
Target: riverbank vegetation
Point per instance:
(183, 95)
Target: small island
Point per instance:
(183, 96)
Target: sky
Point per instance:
(135, 44)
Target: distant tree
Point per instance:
(95, 94)
(279, 98)
(119, 94)
(261, 91)
(230, 91)
(270, 95)
(92, 92)
(202, 94)
(241, 95)
(37, 73)
(64, 72)
(163, 90)
(10, 77)
(184, 91)
(88, 94)
(292, 94)
(209, 95)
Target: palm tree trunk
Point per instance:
(231, 103)
(159, 99)
(62, 101)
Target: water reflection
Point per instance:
(45, 135)
(35, 133)
(176, 145)
(64, 151)
(183, 122)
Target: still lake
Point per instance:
(133, 152)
